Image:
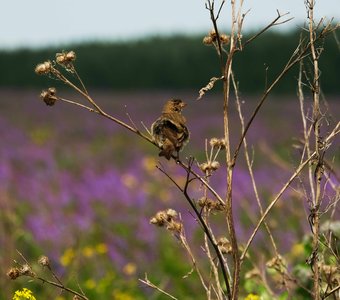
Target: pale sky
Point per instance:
(36, 23)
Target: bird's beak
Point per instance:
(183, 104)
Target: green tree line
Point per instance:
(173, 62)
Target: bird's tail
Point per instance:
(167, 149)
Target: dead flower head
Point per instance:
(13, 273)
(167, 218)
(209, 167)
(44, 261)
(65, 58)
(43, 68)
(217, 143)
(27, 270)
(224, 245)
(210, 204)
(211, 38)
(49, 96)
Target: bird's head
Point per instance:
(174, 105)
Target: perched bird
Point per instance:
(169, 130)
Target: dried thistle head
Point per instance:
(217, 143)
(167, 218)
(224, 245)
(175, 226)
(43, 68)
(225, 39)
(13, 273)
(160, 219)
(27, 270)
(209, 167)
(207, 40)
(211, 38)
(65, 58)
(44, 261)
(213, 34)
(171, 213)
(49, 96)
(277, 263)
(210, 204)
(252, 274)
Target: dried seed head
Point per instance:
(159, 219)
(213, 34)
(27, 270)
(217, 143)
(207, 40)
(210, 204)
(276, 263)
(65, 58)
(171, 213)
(60, 58)
(13, 273)
(214, 165)
(174, 226)
(52, 91)
(224, 245)
(44, 261)
(167, 218)
(49, 96)
(209, 167)
(225, 39)
(205, 202)
(254, 273)
(204, 167)
(43, 68)
(71, 56)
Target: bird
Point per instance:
(169, 131)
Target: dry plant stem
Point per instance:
(185, 244)
(273, 23)
(249, 164)
(218, 290)
(334, 132)
(226, 72)
(300, 53)
(58, 284)
(331, 292)
(61, 286)
(150, 284)
(315, 210)
(202, 222)
(306, 132)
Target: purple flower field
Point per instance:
(81, 190)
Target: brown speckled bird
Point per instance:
(169, 130)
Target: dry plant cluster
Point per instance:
(226, 257)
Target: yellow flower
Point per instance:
(67, 257)
(88, 251)
(90, 284)
(298, 250)
(149, 163)
(24, 294)
(252, 297)
(130, 269)
(129, 181)
(119, 295)
(101, 248)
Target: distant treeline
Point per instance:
(174, 62)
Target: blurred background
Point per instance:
(81, 190)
